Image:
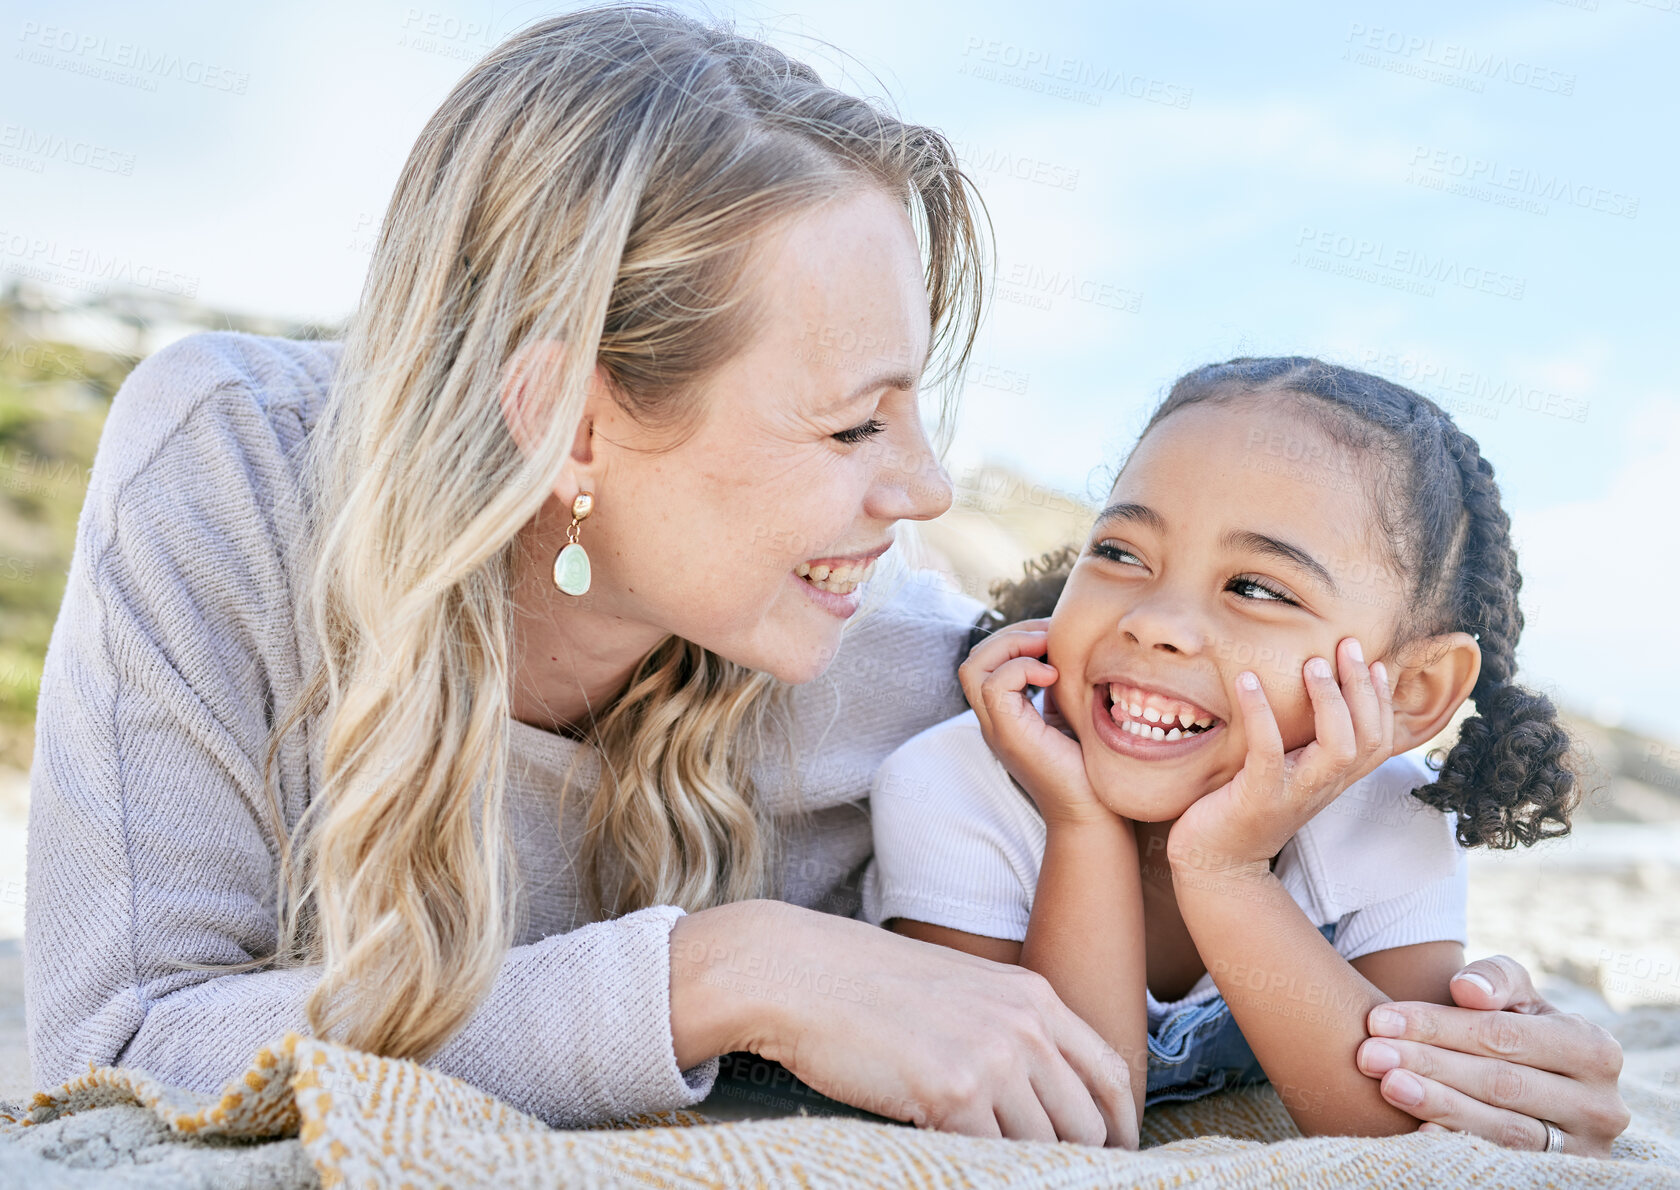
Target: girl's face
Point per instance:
(1238, 537)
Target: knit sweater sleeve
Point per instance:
(150, 837)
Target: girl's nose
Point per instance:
(1165, 624)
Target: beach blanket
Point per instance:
(310, 1113)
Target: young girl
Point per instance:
(1181, 868)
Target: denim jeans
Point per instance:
(1199, 1050)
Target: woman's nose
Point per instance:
(911, 485)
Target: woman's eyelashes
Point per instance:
(858, 433)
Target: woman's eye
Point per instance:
(1260, 592)
(1115, 553)
(858, 433)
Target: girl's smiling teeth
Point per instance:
(1153, 716)
(841, 580)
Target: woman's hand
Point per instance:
(1498, 1064)
(898, 1027)
(1040, 754)
(1245, 822)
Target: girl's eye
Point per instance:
(858, 433)
(1258, 590)
(1115, 553)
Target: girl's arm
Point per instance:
(1085, 934)
(1300, 1005)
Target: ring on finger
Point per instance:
(1554, 1137)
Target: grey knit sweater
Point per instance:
(148, 841)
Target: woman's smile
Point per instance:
(836, 583)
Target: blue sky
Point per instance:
(1477, 200)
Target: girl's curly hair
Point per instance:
(1509, 777)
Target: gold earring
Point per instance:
(571, 564)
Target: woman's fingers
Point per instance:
(1493, 1081)
(1436, 1103)
(1563, 1043)
(1044, 1074)
(1498, 981)
(1535, 1061)
(1068, 1103)
(1106, 1077)
(1020, 1116)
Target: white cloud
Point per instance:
(1600, 578)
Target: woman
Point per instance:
(340, 732)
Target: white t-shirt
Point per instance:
(958, 844)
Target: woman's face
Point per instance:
(808, 451)
(1238, 537)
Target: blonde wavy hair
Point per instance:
(598, 179)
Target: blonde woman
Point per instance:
(497, 690)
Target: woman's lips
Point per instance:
(1127, 743)
(843, 606)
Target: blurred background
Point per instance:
(1477, 201)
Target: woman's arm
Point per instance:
(149, 844)
(150, 839)
(895, 1026)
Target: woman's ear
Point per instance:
(529, 381)
(1432, 678)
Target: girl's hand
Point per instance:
(1246, 822)
(1047, 762)
(902, 1028)
(1499, 1063)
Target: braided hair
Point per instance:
(1508, 777)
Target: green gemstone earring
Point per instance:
(571, 564)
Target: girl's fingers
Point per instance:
(1334, 747)
(1001, 692)
(1332, 717)
(1263, 765)
(1015, 641)
(1008, 642)
(1385, 704)
(1365, 706)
